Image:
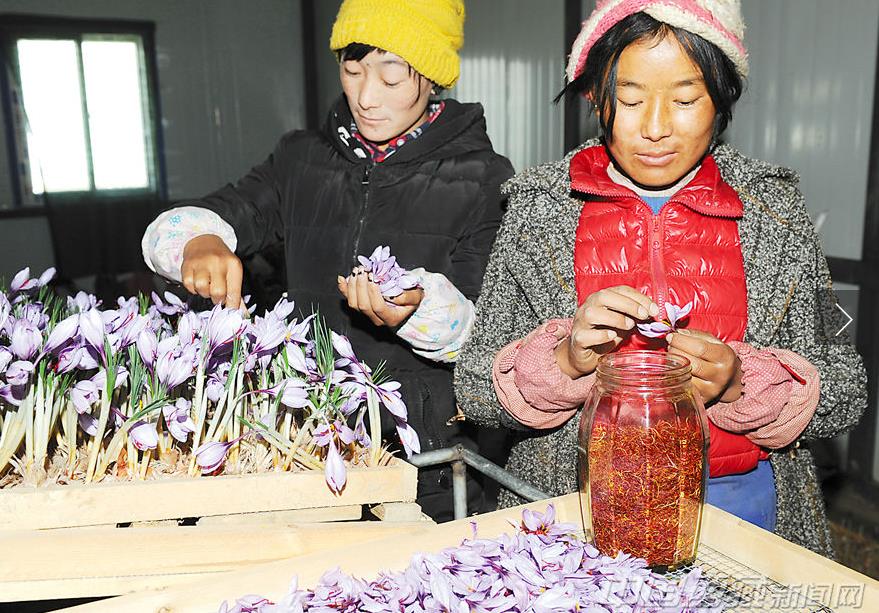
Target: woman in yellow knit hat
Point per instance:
(393, 166)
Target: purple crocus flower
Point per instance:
(222, 327)
(123, 327)
(19, 372)
(409, 438)
(63, 334)
(148, 347)
(22, 282)
(143, 434)
(334, 469)
(391, 398)
(83, 395)
(178, 420)
(172, 305)
(175, 363)
(267, 333)
(91, 329)
(210, 456)
(293, 393)
(82, 302)
(343, 346)
(326, 433)
(189, 326)
(25, 340)
(361, 436)
(35, 314)
(660, 329)
(297, 333)
(392, 280)
(216, 382)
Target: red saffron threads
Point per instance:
(645, 485)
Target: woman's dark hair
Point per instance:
(357, 51)
(599, 76)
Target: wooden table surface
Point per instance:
(361, 554)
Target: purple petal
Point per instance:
(12, 394)
(83, 395)
(409, 438)
(334, 470)
(88, 423)
(25, 340)
(20, 279)
(655, 329)
(19, 372)
(393, 403)
(343, 346)
(676, 313)
(47, 276)
(62, 333)
(210, 456)
(346, 434)
(91, 327)
(283, 308)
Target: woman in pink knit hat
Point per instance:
(654, 218)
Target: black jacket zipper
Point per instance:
(364, 185)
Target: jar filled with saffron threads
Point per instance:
(643, 459)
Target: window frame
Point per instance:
(15, 26)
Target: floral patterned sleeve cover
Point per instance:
(167, 235)
(443, 320)
(436, 330)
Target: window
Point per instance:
(81, 108)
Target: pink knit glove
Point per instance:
(529, 383)
(779, 397)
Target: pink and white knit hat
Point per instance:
(717, 21)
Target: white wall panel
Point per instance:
(513, 63)
(809, 103)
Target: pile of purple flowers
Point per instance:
(392, 279)
(544, 567)
(151, 379)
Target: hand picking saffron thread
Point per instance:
(661, 329)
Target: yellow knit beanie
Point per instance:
(425, 33)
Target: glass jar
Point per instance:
(643, 458)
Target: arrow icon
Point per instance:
(846, 323)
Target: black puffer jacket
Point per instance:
(436, 202)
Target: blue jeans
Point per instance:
(750, 495)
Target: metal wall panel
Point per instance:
(513, 63)
(230, 81)
(809, 104)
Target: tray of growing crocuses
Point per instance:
(146, 391)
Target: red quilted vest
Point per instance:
(689, 251)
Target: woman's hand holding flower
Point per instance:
(717, 370)
(363, 294)
(598, 327)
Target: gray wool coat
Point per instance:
(791, 305)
